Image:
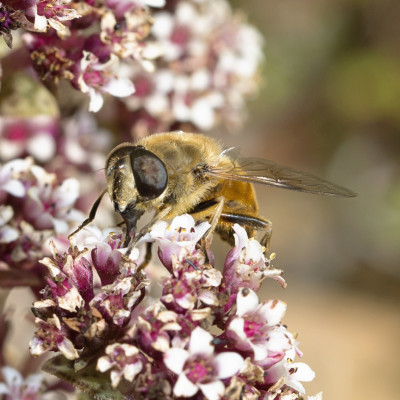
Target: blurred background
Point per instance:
(331, 106)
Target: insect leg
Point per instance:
(209, 210)
(266, 239)
(161, 215)
(251, 224)
(147, 257)
(91, 216)
(219, 206)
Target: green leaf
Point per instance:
(88, 380)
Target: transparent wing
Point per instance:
(258, 170)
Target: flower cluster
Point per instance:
(34, 387)
(91, 59)
(190, 328)
(34, 206)
(205, 72)
(167, 70)
(97, 310)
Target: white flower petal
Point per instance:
(69, 14)
(184, 387)
(202, 114)
(156, 104)
(229, 363)
(213, 390)
(58, 26)
(8, 234)
(158, 229)
(12, 376)
(247, 301)
(68, 350)
(185, 221)
(164, 81)
(67, 193)
(260, 352)
(208, 297)
(273, 311)
(237, 326)
(180, 109)
(278, 340)
(304, 373)
(34, 382)
(129, 350)
(175, 359)
(6, 213)
(40, 23)
(295, 385)
(318, 396)
(60, 226)
(119, 87)
(115, 377)
(104, 363)
(240, 236)
(96, 100)
(4, 389)
(134, 254)
(254, 251)
(152, 50)
(14, 187)
(163, 24)
(42, 147)
(71, 300)
(36, 347)
(185, 13)
(200, 80)
(201, 342)
(10, 149)
(131, 370)
(161, 343)
(155, 3)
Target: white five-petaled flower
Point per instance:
(50, 206)
(246, 265)
(18, 388)
(123, 359)
(177, 239)
(52, 336)
(51, 13)
(199, 368)
(97, 77)
(293, 372)
(10, 173)
(256, 327)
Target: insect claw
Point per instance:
(266, 239)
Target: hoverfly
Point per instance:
(175, 173)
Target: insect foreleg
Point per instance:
(218, 207)
(210, 211)
(158, 217)
(147, 257)
(266, 239)
(92, 215)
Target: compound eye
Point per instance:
(150, 173)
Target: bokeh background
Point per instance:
(331, 106)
